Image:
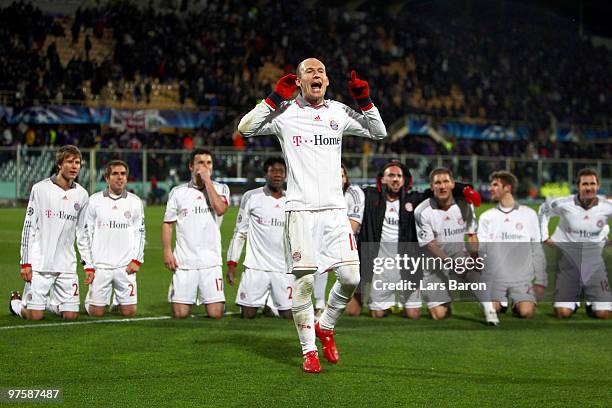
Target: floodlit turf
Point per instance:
(388, 362)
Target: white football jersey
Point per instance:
(509, 241)
(390, 228)
(198, 235)
(355, 199)
(116, 229)
(260, 222)
(311, 140)
(446, 227)
(576, 224)
(54, 218)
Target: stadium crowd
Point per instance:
(443, 63)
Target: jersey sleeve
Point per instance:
(240, 232)
(224, 192)
(355, 202)
(172, 209)
(364, 124)
(546, 211)
(537, 254)
(424, 229)
(483, 233)
(83, 236)
(259, 121)
(30, 227)
(138, 223)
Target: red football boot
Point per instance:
(330, 352)
(311, 362)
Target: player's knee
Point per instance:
(128, 311)
(497, 306)
(70, 315)
(412, 313)
(35, 314)
(377, 314)
(526, 310)
(563, 312)
(601, 314)
(438, 313)
(94, 311)
(353, 308)
(348, 275)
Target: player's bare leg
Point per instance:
(285, 314)
(128, 310)
(412, 313)
(215, 310)
(525, 309)
(180, 310)
(439, 312)
(354, 306)
(35, 314)
(563, 312)
(248, 312)
(70, 315)
(95, 311)
(377, 314)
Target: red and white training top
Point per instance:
(54, 218)
(311, 140)
(198, 235)
(116, 229)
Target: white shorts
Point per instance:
(319, 240)
(255, 286)
(60, 289)
(201, 286)
(105, 280)
(517, 292)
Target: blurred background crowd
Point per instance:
(476, 61)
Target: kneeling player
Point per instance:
(581, 235)
(56, 211)
(260, 222)
(509, 238)
(197, 209)
(441, 228)
(116, 229)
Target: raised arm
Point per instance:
(368, 122)
(259, 121)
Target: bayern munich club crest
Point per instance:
(460, 221)
(333, 124)
(408, 207)
(242, 296)
(296, 256)
(77, 206)
(600, 224)
(519, 226)
(127, 215)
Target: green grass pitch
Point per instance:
(389, 362)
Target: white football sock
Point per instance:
(339, 295)
(303, 312)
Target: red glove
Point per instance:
(360, 91)
(284, 88)
(471, 196)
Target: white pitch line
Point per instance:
(128, 320)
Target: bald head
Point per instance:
(312, 80)
(301, 66)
